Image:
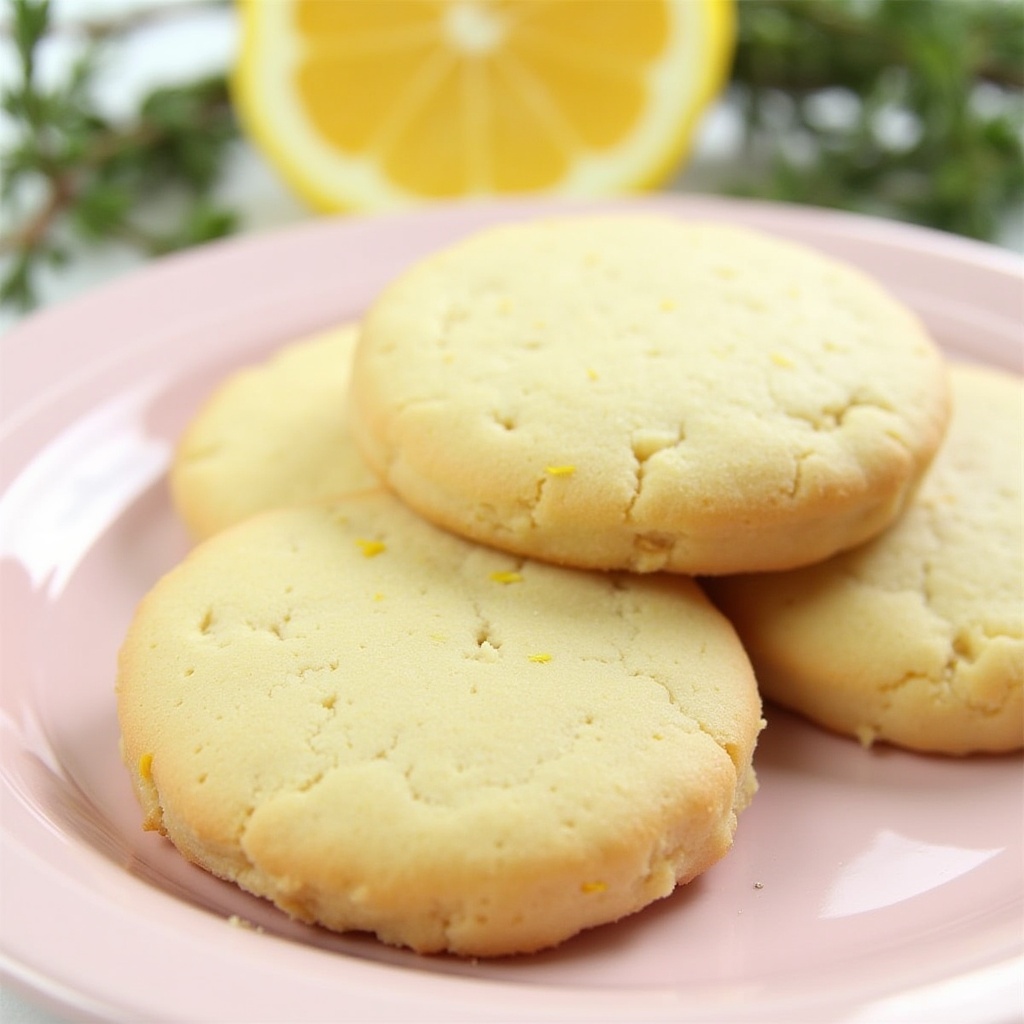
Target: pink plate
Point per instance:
(863, 886)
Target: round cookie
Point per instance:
(381, 726)
(637, 392)
(273, 434)
(916, 638)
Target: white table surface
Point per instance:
(183, 48)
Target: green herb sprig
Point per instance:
(93, 177)
(933, 95)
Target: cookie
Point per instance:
(380, 726)
(272, 434)
(641, 393)
(916, 638)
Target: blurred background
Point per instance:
(128, 130)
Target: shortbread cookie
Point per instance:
(917, 638)
(273, 434)
(636, 392)
(381, 726)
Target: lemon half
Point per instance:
(371, 104)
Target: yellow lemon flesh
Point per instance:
(366, 104)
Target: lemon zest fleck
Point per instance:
(540, 658)
(371, 548)
(506, 577)
(146, 766)
(560, 470)
(781, 360)
(589, 887)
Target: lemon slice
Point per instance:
(367, 104)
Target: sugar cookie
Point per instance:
(917, 638)
(637, 392)
(272, 434)
(381, 726)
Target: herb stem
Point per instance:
(30, 235)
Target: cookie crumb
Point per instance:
(240, 922)
(759, 885)
(866, 735)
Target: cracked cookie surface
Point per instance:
(916, 638)
(271, 435)
(636, 392)
(381, 726)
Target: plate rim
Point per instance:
(169, 272)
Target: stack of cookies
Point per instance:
(441, 668)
